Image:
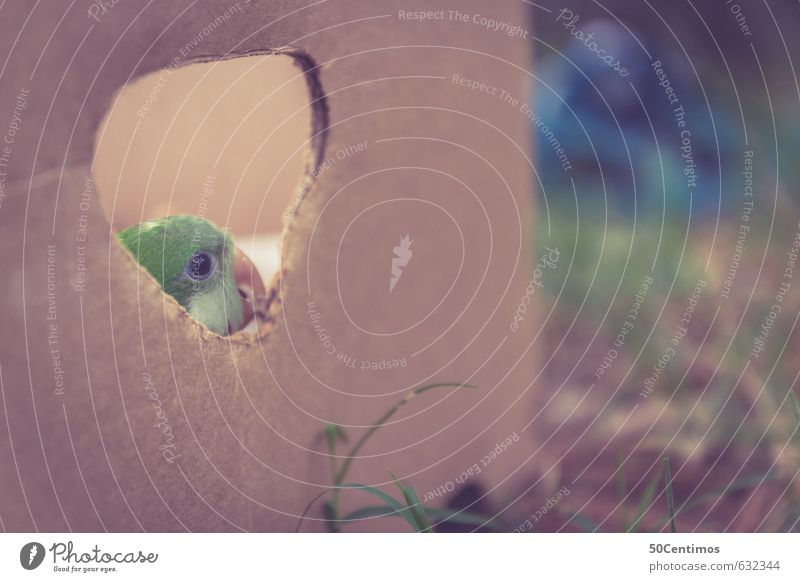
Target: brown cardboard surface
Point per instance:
(243, 449)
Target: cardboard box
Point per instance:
(121, 413)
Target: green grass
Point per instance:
(409, 509)
(603, 260)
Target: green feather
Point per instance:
(165, 248)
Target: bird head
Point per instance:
(193, 261)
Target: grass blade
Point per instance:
(621, 484)
(670, 500)
(732, 487)
(413, 513)
(371, 511)
(386, 498)
(644, 503)
(333, 432)
(414, 506)
(796, 408)
(307, 509)
(383, 419)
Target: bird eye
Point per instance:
(200, 266)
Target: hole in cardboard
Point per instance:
(225, 140)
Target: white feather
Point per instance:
(210, 309)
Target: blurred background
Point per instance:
(665, 135)
(676, 219)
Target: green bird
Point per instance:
(193, 261)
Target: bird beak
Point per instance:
(249, 284)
